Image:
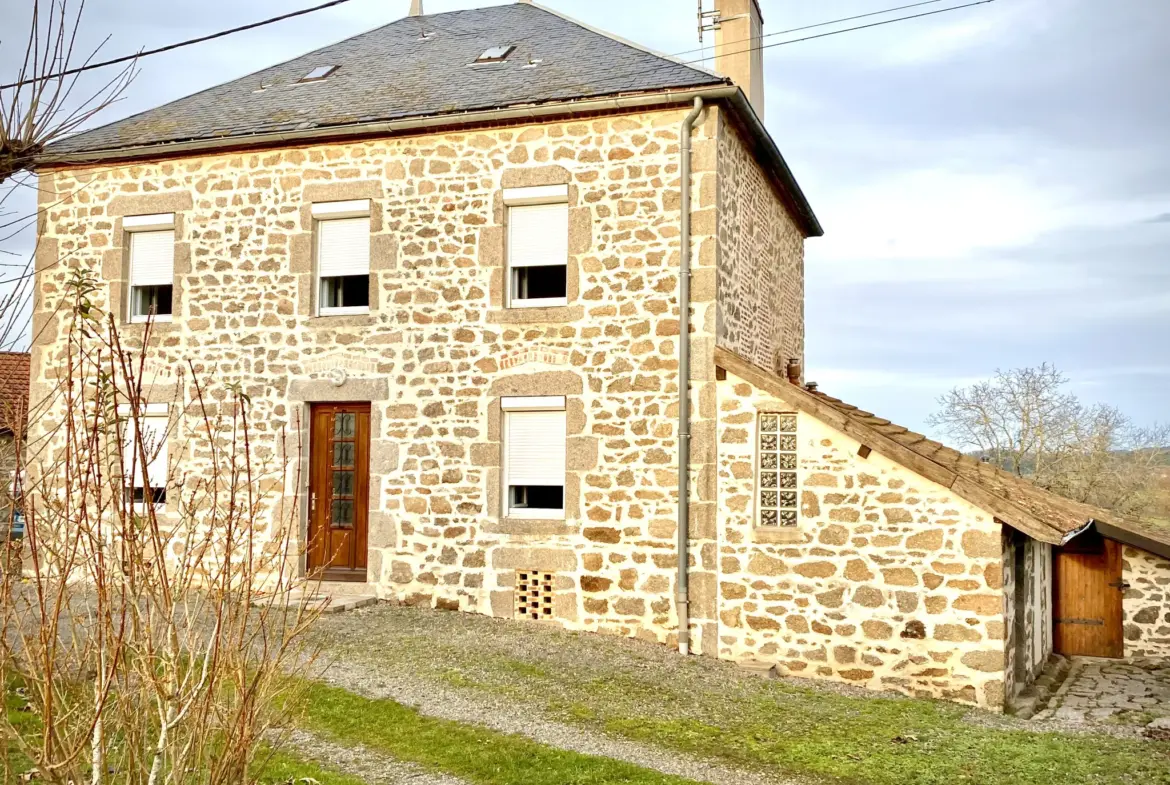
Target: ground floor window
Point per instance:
(534, 456)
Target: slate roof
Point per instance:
(1021, 504)
(392, 73)
(14, 371)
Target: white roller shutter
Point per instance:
(343, 247)
(152, 258)
(538, 235)
(154, 440)
(535, 445)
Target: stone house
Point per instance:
(452, 259)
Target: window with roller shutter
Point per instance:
(538, 246)
(343, 257)
(152, 266)
(534, 457)
(144, 459)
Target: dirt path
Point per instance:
(501, 714)
(373, 768)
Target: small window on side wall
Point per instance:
(343, 257)
(152, 266)
(538, 246)
(534, 457)
(144, 455)
(776, 485)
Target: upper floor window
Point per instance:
(152, 266)
(144, 460)
(538, 246)
(777, 484)
(343, 257)
(534, 456)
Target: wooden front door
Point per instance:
(1087, 592)
(339, 490)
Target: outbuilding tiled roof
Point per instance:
(14, 370)
(414, 67)
(1021, 504)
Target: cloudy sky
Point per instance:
(994, 182)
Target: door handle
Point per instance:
(1121, 585)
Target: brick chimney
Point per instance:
(737, 47)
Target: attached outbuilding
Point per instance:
(855, 550)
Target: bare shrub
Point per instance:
(134, 644)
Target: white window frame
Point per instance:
(333, 211)
(519, 405)
(531, 197)
(134, 224)
(155, 411)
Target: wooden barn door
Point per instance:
(1087, 593)
(339, 491)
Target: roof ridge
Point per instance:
(627, 42)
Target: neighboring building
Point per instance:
(14, 382)
(445, 256)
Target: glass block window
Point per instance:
(777, 470)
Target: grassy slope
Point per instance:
(709, 708)
(470, 752)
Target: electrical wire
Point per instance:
(169, 47)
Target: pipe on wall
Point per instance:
(684, 383)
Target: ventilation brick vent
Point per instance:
(534, 595)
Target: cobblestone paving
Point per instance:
(1134, 692)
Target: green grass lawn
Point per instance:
(471, 752)
(711, 709)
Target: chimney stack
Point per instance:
(737, 48)
(793, 370)
(416, 8)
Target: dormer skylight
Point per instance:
(318, 73)
(497, 54)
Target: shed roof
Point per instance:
(1014, 500)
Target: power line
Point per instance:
(809, 27)
(169, 47)
(672, 63)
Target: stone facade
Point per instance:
(438, 348)
(1027, 569)
(1146, 606)
(888, 581)
(761, 262)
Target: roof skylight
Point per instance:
(497, 54)
(318, 73)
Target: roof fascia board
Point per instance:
(1131, 538)
(797, 397)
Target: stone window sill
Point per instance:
(784, 536)
(544, 527)
(555, 315)
(156, 328)
(351, 320)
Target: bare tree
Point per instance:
(1025, 421)
(44, 104)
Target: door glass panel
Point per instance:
(343, 455)
(343, 483)
(344, 425)
(342, 514)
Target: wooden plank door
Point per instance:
(339, 490)
(1087, 592)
